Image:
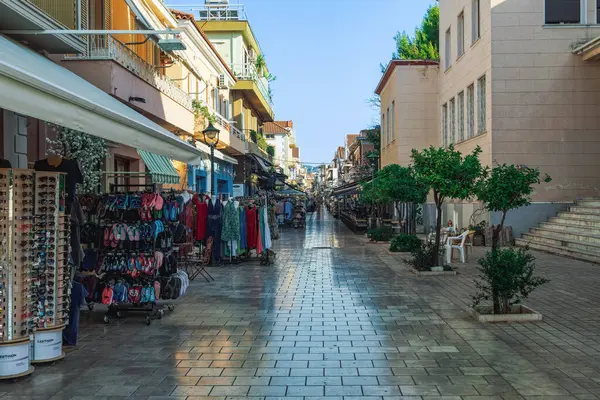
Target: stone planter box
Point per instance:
(519, 313)
(431, 273)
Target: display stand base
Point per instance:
(47, 345)
(62, 355)
(15, 359)
(16, 376)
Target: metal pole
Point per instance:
(212, 169)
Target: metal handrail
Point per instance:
(248, 72)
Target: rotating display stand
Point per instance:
(35, 286)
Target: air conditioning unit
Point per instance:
(222, 84)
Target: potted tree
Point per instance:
(447, 175)
(506, 275)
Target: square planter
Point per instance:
(432, 273)
(519, 313)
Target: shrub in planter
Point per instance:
(506, 278)
(424, 257)
(381, 234)
(405, 243)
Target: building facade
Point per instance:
(508, 81)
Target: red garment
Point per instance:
(251, 228)
(201, 217)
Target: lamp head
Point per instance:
(211, 134)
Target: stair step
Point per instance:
(577, 237)
(585, 210)
(585, 216)
(588, 203)
(594, 224)
(569, 227)
(543, 238)
(562, 251)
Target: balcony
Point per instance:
(104, 47)
(250, 80)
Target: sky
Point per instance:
(326, 55)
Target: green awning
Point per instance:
(160, 167)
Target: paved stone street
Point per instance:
(337, 318)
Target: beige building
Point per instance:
(509, 82)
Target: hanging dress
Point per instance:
(243, 244)
(259, 240)
(231, 228)
(268, 242)
(251, 228)
(214, 227)
(201, 217)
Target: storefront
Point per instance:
(223, 178)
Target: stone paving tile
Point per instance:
(336, 318)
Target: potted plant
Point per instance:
(506, 275)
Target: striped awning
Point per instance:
(160, 167)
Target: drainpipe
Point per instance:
(79, 15)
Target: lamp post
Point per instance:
(211, 137)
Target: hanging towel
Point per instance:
(267, 229)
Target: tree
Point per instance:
(425, 44)
(399, 185)
(449, 176)
(508, 187)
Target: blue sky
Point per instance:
(326, 55)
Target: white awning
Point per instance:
(218, 154)
(35, 86)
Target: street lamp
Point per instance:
(211, 137)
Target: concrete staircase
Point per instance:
(574, 233)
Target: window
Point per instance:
(387, 126)
(470, 111)
(481, 106)
(452, 120)
(393, 119)
(475, 20)
(382, 129)
(270, 136)
(448, 47)
(460, 35)
(565, 11)
(445, 125)
(461, 117)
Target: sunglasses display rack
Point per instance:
(51, 273)
(16, 266)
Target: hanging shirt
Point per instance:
(289, 208)
(201, 217)
(267, 229)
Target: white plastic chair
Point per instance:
(451, 244)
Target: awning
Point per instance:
(347, 189)
(35, 86)
(265, 166)
(161, 168)
(223, 157)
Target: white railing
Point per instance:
(105, 47)
(248, 72)
(219, 12)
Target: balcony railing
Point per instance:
(248, 72)
(221, 120)
(107, 48)
(220, 12)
